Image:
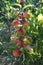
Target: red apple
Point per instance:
(19, 43)
(17, 24)
(21, 32)
(26, 15)
(26, 24)
(17, 53)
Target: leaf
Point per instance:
(16, 5)
(27, 6)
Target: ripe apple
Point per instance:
(26, 24)
(17, 24)
(26, 15)
(17, 53)
(21, 32)
(19, 43)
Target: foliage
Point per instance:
(8, 11)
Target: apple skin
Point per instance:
(21, 32)
(19, 43)
(26, 41)
(17, 53)
(17, 24)
(26, 24)
(31, 51)
(26, 15)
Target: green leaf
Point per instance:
(27, 6)
(16, 5)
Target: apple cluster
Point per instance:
(20, 38)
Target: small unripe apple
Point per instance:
(40, 18)
(31, 51)
(22, 49)
(26, 41)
